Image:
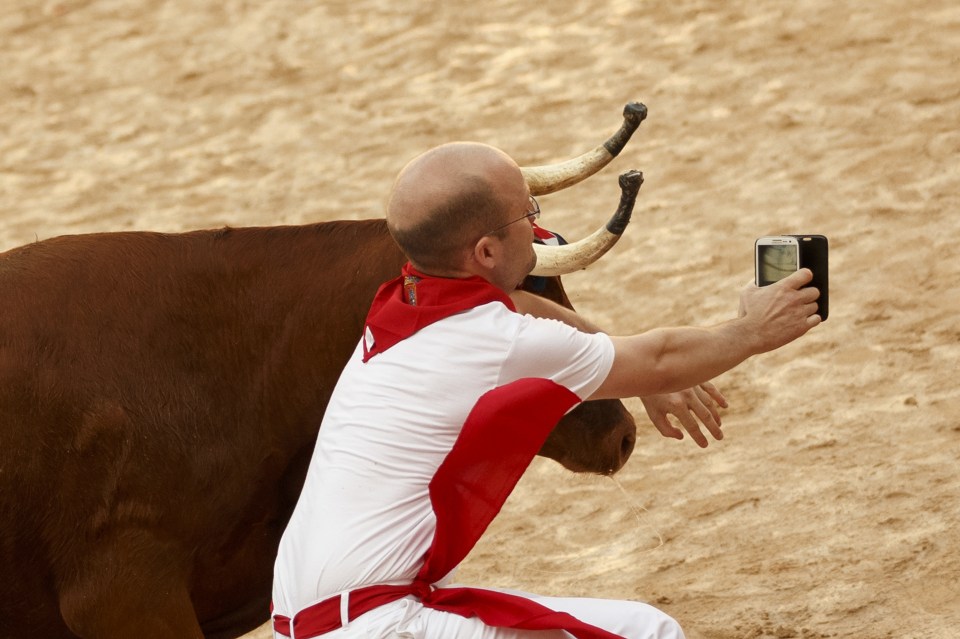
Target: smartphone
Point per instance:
(777, 256)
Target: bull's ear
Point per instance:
(550, 288)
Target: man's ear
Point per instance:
(485, 252)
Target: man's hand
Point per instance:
(781, 312)
(697, 403)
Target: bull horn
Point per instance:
(554, 177)
(560, 260)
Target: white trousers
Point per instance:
(407, 618)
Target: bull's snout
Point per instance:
(627, 442)
(597, 437)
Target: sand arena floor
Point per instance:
(832, 507)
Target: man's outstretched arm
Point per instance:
(692, 407)
(670, 359)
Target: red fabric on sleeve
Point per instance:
(500, 437)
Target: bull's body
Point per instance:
(160, 397)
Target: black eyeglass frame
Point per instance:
(533, 214)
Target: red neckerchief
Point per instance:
(414, 300)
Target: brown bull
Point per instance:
(160, 397)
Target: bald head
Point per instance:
(447, 198)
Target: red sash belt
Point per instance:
(324, 617)
(492, 607)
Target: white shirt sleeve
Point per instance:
(553, 350)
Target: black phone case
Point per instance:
(814, 252)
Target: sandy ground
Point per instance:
(831, 509)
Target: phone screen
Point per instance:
(775, 262)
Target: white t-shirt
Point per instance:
(364, 516)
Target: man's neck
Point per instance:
(447, 272)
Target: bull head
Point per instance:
(575, 442)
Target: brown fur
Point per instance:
(160, 397)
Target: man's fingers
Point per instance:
(706, 410)
(693, 407)
(715, 393)
(809, 294)
(798, 279)
(691, 426)
(707, 403)
(665, 427)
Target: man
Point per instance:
(445, 401)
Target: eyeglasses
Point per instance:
(531, 215)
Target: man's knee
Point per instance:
(653, 623)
